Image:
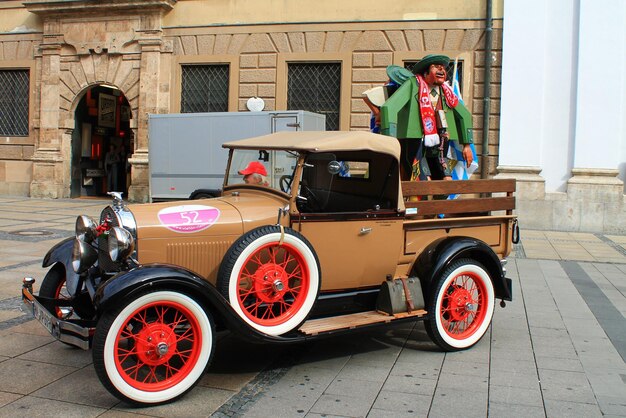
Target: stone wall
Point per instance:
(18, 52)
(133, 53)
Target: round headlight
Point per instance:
(86, 228)
(83, 256)
(121, 244)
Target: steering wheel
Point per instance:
(313, 203)
(285, 183)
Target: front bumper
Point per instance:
(68, 331)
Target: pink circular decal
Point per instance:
(188, 218)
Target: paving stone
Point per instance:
(226, 381)
(511, 395)
(59, 353)
(28, 376)
(342, 405)
(401, 403)
(448, 402)
(358, 372)
(71, 388)
(314, 415)
(505, 364)
(497, 410)
(566, 386)
(6, 398)
(410, 384)
(317, 375)
(557, 363)
(512, 355)
(120, 414)
(318, 359)
(565, 409)
(434, 356)
(610, 405)
(382, 413)
(12, 345)
(553, 327)
(477, 354)
(366, 389)
(513, 379)
(199, 402)
(460, 382)
(608, 384)
(305, 392)
(421, 370)
(33, 407)
(553, 347)
(267, 407)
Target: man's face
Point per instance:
(436, 75)
(252, 178)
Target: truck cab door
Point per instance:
(350, 217)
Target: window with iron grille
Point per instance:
(315, 87)
(14, 99)
(449, 71)
(204, 88)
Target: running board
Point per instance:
(334, 323)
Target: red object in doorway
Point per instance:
(96, 147)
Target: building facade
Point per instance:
(82, 76)
(563, 130)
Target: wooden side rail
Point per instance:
(433, 202)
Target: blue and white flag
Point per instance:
(460, 170)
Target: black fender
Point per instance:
(169, 277)
(440, 254)
(61, 253)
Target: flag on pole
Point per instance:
(459, 168)
(456, 87)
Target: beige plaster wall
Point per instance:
(15, 177)
(15, 18)
(229, 12)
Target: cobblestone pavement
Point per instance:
(557, 350)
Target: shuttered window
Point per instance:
(14, 101)
(204, 88)
(315, 87)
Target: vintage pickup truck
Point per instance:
(330, 244)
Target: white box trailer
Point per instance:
(186, 155)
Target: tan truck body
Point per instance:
(349, 256)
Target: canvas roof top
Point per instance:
(321, 141)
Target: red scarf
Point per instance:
(431, 138)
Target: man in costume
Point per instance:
(410, 115)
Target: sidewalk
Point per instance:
(557, 350)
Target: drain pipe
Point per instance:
(484, 170)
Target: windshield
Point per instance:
(273, 169)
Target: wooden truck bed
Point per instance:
(483, 210)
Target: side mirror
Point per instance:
(334, 167)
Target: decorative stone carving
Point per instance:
(99, 36)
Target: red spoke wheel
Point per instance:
(155, 348)
(53, 286)
(271, 279)
(461, 306)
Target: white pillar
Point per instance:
(595, 194)
(522, 105)
(601, 104)
(523, 82)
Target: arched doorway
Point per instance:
(102, 141)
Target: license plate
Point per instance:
(46, 319)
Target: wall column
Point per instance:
(522, 104)
(595, 194)
(48, 165)
(152, 46)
